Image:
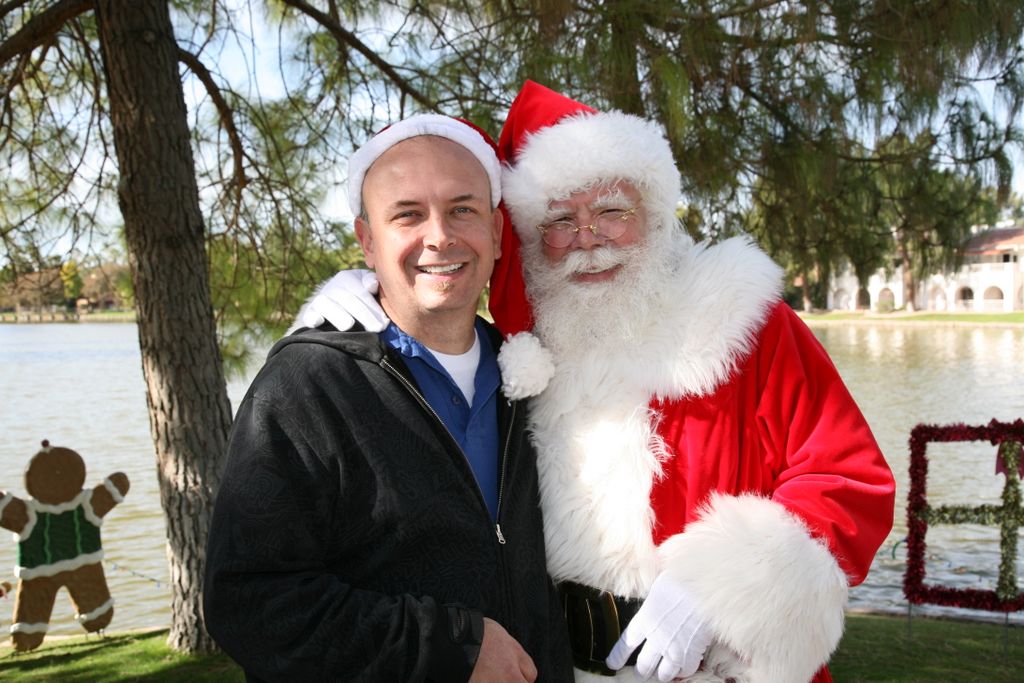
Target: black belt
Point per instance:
(596, 619)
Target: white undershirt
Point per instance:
(462, 367)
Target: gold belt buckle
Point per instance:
(579, 604)
(613, 629)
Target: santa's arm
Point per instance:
(771, 572)
(770, 592)
(828, 469)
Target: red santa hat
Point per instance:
(552, 146)
(459, 131)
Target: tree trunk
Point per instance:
(824, 274)
(863, 298)
(908, 276)
(805, 288)
(623, 62)
(189, 411)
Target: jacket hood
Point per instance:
(356, 341)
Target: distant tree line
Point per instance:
(68, 285)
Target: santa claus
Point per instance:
(710, 489)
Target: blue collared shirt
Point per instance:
(475, 427)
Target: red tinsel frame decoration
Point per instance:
(1009, 516)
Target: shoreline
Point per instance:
(828, 318)
(66, 317)
(924, 318)
(7, 644)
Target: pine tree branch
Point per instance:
(9, 7)
(347, 37)
(751, 8)
(41, 27)
(225, 111)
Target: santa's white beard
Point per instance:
(579, 317)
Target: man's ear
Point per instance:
(365, 237)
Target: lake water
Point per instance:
(80, 386)
(920, 373)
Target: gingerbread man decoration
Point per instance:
(58, 535)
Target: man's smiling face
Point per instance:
(429, 231)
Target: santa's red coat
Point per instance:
(793, 434)
(720, 445)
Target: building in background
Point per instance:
(991, 279)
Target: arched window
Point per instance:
(965, 299)
(994, 293)
(886, 301)
(993, 299)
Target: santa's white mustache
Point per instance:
(591, 261)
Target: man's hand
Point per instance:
(344, 299)
(676, 635)
(502, 659)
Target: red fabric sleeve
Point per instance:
(829, 469)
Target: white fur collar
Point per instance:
(707, 319)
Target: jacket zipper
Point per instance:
(504, 468)
(508, 438)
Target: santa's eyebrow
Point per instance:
(614, 199)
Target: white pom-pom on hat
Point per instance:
(526, 366)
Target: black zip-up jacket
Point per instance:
(350, 540)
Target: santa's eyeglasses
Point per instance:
(609, 224)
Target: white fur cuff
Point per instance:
(113, 490)
(526, 366)
(773, 593)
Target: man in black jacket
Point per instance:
(379, 517)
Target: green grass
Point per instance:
(874, 648)
(877, 648)
(108, 316)
(142, 657)
(1015, 317)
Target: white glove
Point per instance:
(344, 299)
(676, 635)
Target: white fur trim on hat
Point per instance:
(773, 594)
(526, 366)
(585, 149)
(414, 126)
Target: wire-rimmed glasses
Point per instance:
(609, 224)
